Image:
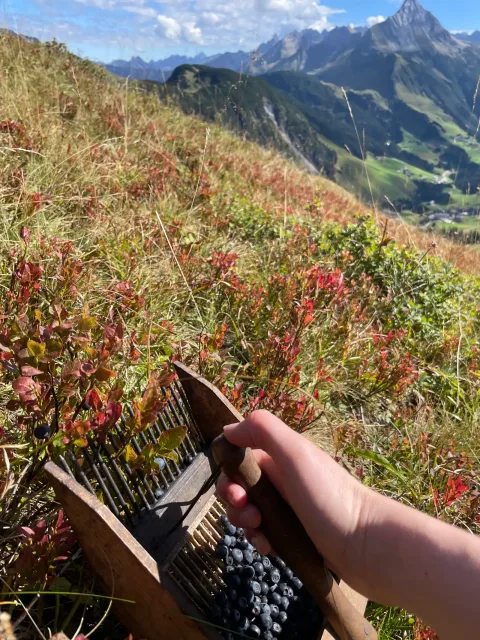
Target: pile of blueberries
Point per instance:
(263, 598)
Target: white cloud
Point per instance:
(168, 28)
(372, 20)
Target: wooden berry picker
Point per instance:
(164, 544)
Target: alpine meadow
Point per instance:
(253, 221)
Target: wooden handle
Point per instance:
(287, 536)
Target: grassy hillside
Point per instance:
(132, 235)
(415, 152)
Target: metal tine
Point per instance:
(152, 478)
(166, 428)
(207, 569)
(121, 477)
(81, 473)
(65, 466)
(162, 475)
(111, 481)
(130, 411)
(186, 586)
(185, 403)
(166, 413)
(184, 410)
(179, 422)
(102, 484)
(136, 481)
(138, 450)
(139, 472)
(192, 578)
(192, 561)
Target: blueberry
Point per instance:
(276, 629)
(228, 561)
(233, 541)
(259, 568)
(248, 557)
(233, 595)
(256, 556)
(282, 617)
(297, 584)
(274, 576)
(221, 551)
(237, 555)
(42, 432)
(265, 608)
(290, 592)
(226, 541)
(188, 460)
(227, 612)
(248, 572)
(250, 597)
(236, 616)
(216, 611)
(158, 493)
(85, 406)
(257, 601)
(224, 521)
(279, 563)
(265, 621)
(255, 610)
(264, 599)
(283, 589)
(275, 611)
(242, 543)
(276, 598)
(221, 598)
(229, 571)
(242, 603)
(266, 563)
(234, 581)
(256, 588)
(244, 623)
(264, 588)
(288, 573)
(240, 531)
(230, 529)
(254, 631)
(161, 463)
(267, 635)
(284, 603)
(250, 548)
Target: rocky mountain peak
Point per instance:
(412, 28)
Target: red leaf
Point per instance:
(25, 387)
(29, 372)
(103, 374)
(25, 234)
(87, 368)
(60, 520)
(93, 399)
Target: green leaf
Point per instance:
(171, 455)
(86, 323)
(130, 455)
(377, 458)
(171, 439)
(36, 349)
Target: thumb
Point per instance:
(262, 430)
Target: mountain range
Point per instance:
(396, 102)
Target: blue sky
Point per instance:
(109, 29)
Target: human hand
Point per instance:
(332, 505)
